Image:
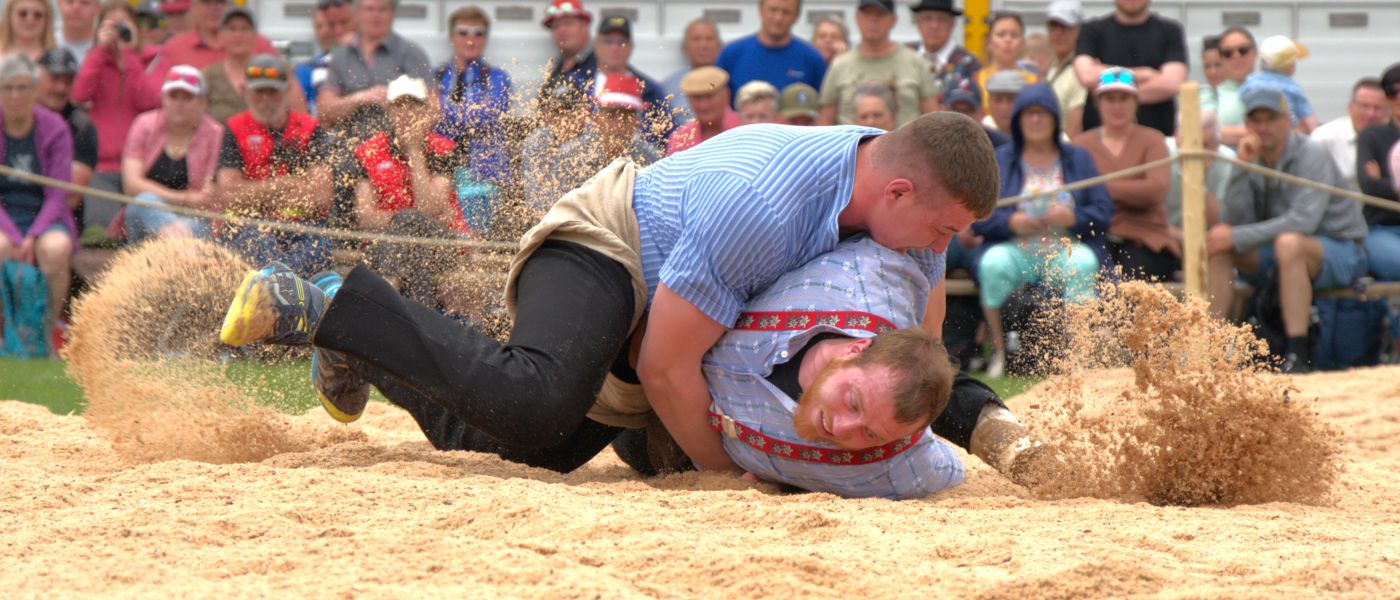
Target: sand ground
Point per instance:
(379, 513)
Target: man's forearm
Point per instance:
(681, 399)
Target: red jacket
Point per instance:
(388, 173)
(117, 95)
(254, 142)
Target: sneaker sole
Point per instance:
(250, 317)
(326, 403)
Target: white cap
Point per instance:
(1277, 52)
(405, 86)
(1066, 12)
(183, 77)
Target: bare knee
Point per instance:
(1290, 247)
(54, 252)
(7, 250)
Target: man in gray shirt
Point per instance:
(352, 99)
(1311, 239)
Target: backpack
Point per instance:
(1349, 332)
(25, 297)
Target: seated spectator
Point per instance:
(1006, 45)
(773, 54)
(200, 46)
(170, 158)
(546, 171)
(701, 46)
(758, 103)
(1056, 240)
(1374, 174)
(963, 96)
(56, 72)
(1153, 46)
(1139, 238)
(1217, 174)
(27, 28)
(1278, 59)
(1238, 53)
(332, 25)
(113, 81)
(150, 24)
(352, 99)
(475, 96)
(404, 186)
(875, 106)
(274, 164)
(1038, 55)
(799, 105)
(576, 64)
(947, 60)
(1367, 107)
(708, 91)
(36, 223)
(1000, 99)
(877, 58)
(77, 32)
(830, 38)
(614, 55)
(1212, 65)
(224, 79)
(1307, 239)
(1062, 21)
(615, 131)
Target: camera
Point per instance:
(124, 32)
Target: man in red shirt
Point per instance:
(707, 89)
(200, 47)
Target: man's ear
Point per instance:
(897, 188)
(855, 347)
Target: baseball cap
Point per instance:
(704, 80)
(1116, 79)
(886, 5)
(404, 86)
(1009, 81)
(1267, 98)
(1278, 52)
(149, 8)
(183, 78)
(962, 90)
(1065, 12)
(940, 5)
(565, 8)
(266, 71)
(798, 100)
(234, 12)
(174, 7)
(58, 61)
(616, 24)
(620, 90)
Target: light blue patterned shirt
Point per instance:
(721, 221)
(858, 275)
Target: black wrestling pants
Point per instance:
(526, 400)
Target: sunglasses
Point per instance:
(1230, 52)
(1116, 76)
(264, 72)
(31, 14)
(470, 31)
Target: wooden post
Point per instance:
(1193, 191)
(975, 13)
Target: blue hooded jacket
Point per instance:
(1092, 206)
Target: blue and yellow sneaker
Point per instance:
(273, 306)
(343, 394)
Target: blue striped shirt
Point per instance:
(721, 221)
(859, 275)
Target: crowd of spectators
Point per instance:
(183, 103)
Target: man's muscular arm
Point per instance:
(677, 336)
(936, 310)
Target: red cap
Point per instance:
(565, 8)
(620, 90)
(174, 6)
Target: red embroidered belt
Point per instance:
(830, 456)
(791, 320)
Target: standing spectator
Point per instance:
(1152, 46)
(576, 64)
(701, 47)
(1217, 173)
(773, 54)
(1238, 54)
(169, 158)
(877, 58)
(830, 38)
(1212, 65)
(56, 71)
(1310, 239)
(799, 105)
(79, 30)
(225, 79)
(113, 80)
(1140, 240)
(963, 96)
(1038, 54)
(1000, 95)
(1366, 108)
(354, 95)
(758, 103)
(36, 223)
(1062, 24)
(708, 91)
(1057, 239)
(1278, 59)
(544, 168)
(474, 97)
(27, 28)
(178, 19)
(614, 52)
(947, 60)
(150, 24)
(875, 106)
(615, 130)
(273, 164)
(200, 47)
(1375, 176)
(333, 25)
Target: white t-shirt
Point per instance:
(1339, 138)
